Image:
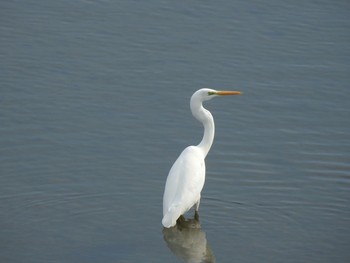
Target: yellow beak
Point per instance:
(227, 92)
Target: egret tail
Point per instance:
(170, 217)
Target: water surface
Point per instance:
(94, 109)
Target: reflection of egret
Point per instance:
(188, 242)
(187, 175)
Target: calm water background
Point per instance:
(94, 109)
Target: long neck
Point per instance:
(205, 117)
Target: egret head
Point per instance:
(208, 94)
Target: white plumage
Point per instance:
(187, 175)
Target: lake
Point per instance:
(94, 110)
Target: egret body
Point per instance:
(187, 175)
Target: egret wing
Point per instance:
(184, 184)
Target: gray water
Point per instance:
(94, 109)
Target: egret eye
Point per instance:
(211, 93)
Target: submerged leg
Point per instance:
(180, 219)
(196, 215)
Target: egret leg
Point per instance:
(180, 219)
(196, 215)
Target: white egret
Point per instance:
(187, 175)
